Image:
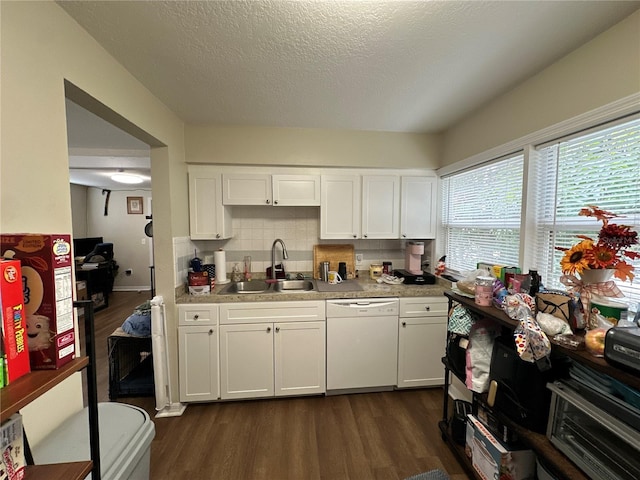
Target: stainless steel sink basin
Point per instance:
(254, 286)
(293, 286)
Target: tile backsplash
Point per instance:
(256, 227)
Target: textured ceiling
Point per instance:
(367, 65)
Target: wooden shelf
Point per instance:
(560, 465)
(59, 471)
(582, 356)
(26, 389)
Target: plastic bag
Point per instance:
(468, 283)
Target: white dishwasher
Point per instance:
(362, 343)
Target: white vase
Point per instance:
(596, 275)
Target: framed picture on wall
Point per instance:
(134, 205)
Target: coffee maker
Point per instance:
(413, 273)
(413, 260)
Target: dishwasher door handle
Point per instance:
(370, 304)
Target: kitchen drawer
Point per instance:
(202, 314)
(423, 306)
(264, 312)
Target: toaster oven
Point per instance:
(602, 445)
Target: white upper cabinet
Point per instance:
(265, 189)
(296, 190)
(209, 219)
(246, 189)
(380, 206)
(340, 207)
(418, 207)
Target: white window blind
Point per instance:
(599, 168)
(481, 214)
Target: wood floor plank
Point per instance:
(386, 435)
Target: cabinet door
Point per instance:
(299, 358)
(296, 190)
(380, 206)
(246, 189)
(198, 363)
(418, 207)
(421, 345)
(340, 209)
(208, 218)
(246, 361)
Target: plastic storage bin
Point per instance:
(126, 432)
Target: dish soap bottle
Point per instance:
(236, 274)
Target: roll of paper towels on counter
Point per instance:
(220, 261)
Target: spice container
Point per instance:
(386, 268)
(484, 291)
(375, 271)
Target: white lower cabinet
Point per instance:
(263, 357)
(246, 360)
(198, 359)
(422, 331)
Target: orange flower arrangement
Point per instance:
(610, 250)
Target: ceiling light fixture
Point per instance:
(127, 178)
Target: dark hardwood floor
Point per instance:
(386, 436)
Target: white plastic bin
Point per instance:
(126, 432)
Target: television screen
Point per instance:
(84, 246)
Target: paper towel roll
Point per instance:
(219, 260)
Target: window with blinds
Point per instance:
(481, 212)
(601, 168)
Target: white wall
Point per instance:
(79, 211)
(125, 231)
(600, 72)
(41, 47)
(310, 147)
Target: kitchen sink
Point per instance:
(293, 286)
(262, 286)
(254, 286)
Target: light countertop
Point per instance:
(370, 289)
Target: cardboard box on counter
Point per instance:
(491, 459)
(48, 295)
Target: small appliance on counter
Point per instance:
(413, 273)
(422, 278)
(413, 260)
(622, 347)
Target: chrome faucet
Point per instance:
(285, 255)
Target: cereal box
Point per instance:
(14, 335)
(12, 464)
(48, 295)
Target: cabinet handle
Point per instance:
(404, 324)
(211, 332)
(365, 235)
(275, 202)
(427, 308)
(268, 202)
(196, 316)
(404, 235)
(217, 235)
(355, 236)
(268, 329)
(277, 329)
